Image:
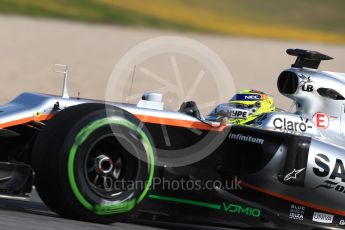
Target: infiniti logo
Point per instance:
(247, 138)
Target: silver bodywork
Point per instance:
(328, 140)
(327, 148)
(35, 105)
(311, 103)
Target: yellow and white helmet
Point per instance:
(247, 105)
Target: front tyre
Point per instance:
(93, 163)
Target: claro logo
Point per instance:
(293, 126)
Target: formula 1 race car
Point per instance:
(104, 162)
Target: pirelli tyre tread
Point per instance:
(61, 159)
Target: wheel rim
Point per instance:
(109, 207)
(107, 167)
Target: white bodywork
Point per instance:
(324, 117)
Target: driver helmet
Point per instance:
(247, 105)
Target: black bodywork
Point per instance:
(233, 200)
(224, 193)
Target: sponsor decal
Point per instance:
(248, 97)
(323, 217)
(239, 209)
(337, 172)
(331, 185)
(307, 85)
(321, 120)
(292, 126)
(296, 212)
(252, 97)
(230, 208)
(328, 184)
(323, 169)
(238, 113)
(293, 174)
(246, 138)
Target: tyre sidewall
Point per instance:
(82, 198)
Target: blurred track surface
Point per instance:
(33, 215)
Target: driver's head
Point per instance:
(247, 105)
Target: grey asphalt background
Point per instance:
(33, 215)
